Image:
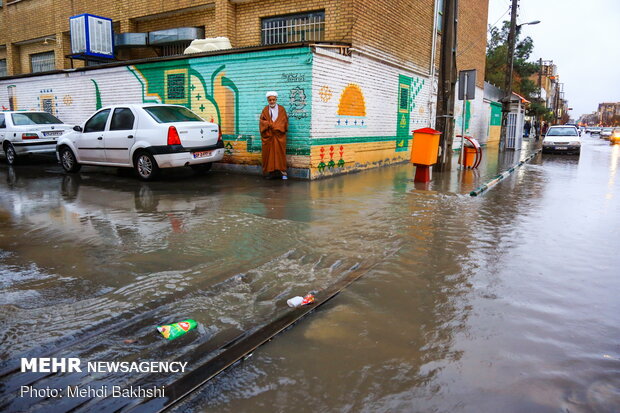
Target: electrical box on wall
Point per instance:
(92, 36)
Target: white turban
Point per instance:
(272, 93)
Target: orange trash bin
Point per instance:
(424, 152)
(425, 146)
(469, 157)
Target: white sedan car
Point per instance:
(564, 139)
(25, 133)
(145, 137)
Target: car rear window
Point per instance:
(169, 114)
(38, 118)
(562, 132)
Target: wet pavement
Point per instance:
(504, 302)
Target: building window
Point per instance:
(294, 28)
(439, 15)
(42, 62)
(176, 86)
(2, 67)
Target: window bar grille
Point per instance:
(296, 29)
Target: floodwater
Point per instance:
(505, 302)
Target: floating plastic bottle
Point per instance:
(172, 331)
(299, 301)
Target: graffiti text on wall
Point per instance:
(297, 103)
(294, 77)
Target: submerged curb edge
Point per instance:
(501, 176)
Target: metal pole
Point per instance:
(539, 117)
(462, 155)
(447, 80)
(508, 79)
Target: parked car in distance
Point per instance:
(576, 127)
(146, 137)
(606, 133)
(615, 135)
(595, 130)
(29, 132)
(564, 139)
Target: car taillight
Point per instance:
(29, 136)
(219, 134)
(173, 136)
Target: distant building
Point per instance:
(609, 113)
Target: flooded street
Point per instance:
(505, 302)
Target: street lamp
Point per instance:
(512, 36)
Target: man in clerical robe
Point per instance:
(273, 127)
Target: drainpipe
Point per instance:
(433, 97)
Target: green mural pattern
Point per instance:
(230, 91)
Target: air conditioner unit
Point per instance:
(92, 36)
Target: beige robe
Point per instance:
(273, 138)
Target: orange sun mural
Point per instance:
(351, 108)
(352, 101)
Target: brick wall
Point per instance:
(248, 18)
(401, 28)
(472, 37)
(398, 28)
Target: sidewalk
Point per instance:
(462, 181)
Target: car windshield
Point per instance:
(36, 118)
(562, 132)
(169, 114)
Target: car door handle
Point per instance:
(100, 138)
(130, 137)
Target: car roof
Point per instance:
(140, 105)
(24, 111)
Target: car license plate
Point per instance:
(202, 154)
(561, 148)
(53, 133)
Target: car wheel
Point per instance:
(11, 156)
(202, 168)
(146, 166)
(68, 161)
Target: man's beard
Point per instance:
(272, 105)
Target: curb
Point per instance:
(501, 176)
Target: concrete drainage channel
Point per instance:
(209, 358)
(503, 175)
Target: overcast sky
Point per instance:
(583, 40)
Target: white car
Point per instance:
(564, 139)
(25, 133)
(606, 133)
(145, 137)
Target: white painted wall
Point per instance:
(379, 83)
(74, 92)
(479, 122)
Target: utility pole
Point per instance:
(447, 80)
(556, 109)
(508, 79)
(539, 119)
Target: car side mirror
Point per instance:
(77, 128)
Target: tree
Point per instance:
(497, 53)
(539, 110)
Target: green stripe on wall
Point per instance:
(352, 139)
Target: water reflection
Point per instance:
(506, 302)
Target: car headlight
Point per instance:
(575, 143)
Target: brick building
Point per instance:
(356, 76)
